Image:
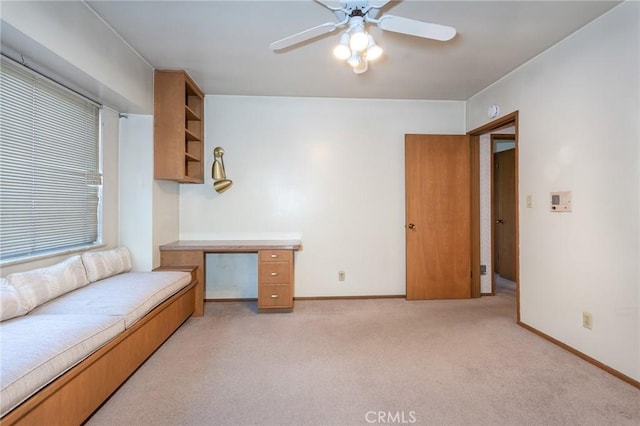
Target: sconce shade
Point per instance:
(222, 185)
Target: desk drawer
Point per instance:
(276, 255)
(275, 272)
(275, 296)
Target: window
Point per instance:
(50, 174)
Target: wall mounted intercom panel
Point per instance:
(561, 201)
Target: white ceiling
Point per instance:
(224, 45)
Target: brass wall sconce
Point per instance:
(220, 181)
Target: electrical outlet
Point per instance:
(587, 320)
(341, 276)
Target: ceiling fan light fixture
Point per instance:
(342, 51)
(373, 51)
(356, 45)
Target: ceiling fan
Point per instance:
(357, 46)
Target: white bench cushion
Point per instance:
(131, 295)
(106, 263)
(11, 303)
(37, 349)
(38, 286)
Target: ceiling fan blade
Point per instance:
(412, 27)
(304, 35)
(378, 4)
(375, 9)
(331, 5)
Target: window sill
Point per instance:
(51, 254)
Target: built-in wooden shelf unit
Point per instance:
(178, 127)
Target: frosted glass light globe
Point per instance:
(359, 40)
(342, 52)
(361, 67)
(374, 52)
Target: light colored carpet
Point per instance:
(358, 362)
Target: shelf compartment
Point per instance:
(190, 157)
(191, 114)
(190, 136)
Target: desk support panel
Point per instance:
(188, 257)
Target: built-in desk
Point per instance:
(275, 266)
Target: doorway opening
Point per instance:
(486, 137)
(503, 239)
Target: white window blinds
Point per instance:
(50, 174)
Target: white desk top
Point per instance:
(231, 246)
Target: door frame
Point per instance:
(505, 121)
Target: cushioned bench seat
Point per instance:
(131, 295)
(38, 348)
(55, 317)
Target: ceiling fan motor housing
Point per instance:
(353, 8)
(356, 12)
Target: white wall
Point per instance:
(110, 177)
(136, 189)
(331, 170)
(166, 215)
(149, 208)
(70, 40)
(504, 145)
(579, 130)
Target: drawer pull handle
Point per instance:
(274, 296)
(274, 274)
(273, 256)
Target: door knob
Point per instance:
(500, 221)
(412, 226)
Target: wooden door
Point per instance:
(504, 164)
(438, 216)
